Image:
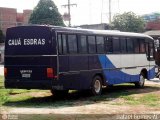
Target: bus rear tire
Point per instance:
(140, 83)
(96, 86)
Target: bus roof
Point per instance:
(91, 31)
(100, 32)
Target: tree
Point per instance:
(1, 37)
(128, 22)
(46, 12)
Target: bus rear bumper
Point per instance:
(28, 84)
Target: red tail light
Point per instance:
(5, 72)
(50, 73)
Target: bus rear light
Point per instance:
(5, 72)
(50, 73)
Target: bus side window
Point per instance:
(82, 43)
(130, 45)
(147, 49)
(116, 45)
(64, 44)
(123, 44)
(142, 45)
(60, 43)
(92, 44)
(72, 44)
(150, 51)
(100, 44)
(136, 45)
(109, 45)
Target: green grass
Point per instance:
(150, 99)
(5, 93)
(127, 94)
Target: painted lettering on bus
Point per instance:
(34, 41)
(15, 42)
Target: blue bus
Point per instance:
(61, 58)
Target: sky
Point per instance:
(91, 11)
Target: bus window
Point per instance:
(82, 44)
(64, 43)
(151, 51)
(136, 45)
(147, 50)
(92, 44)
(100, 44)
(109, 45)
(129, 45)
(72, 44)
(123, 44)
(116, 45)
(59, 44)
(142, 45)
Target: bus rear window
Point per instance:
(30, 40)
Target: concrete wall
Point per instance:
(1, 52)
(10, 18)
(102, 26)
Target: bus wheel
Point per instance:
(140, 83)
(96, 86)
(59, 93)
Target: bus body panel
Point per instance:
(29, 51)
(125, 68)
(76, 72)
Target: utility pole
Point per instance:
(102, 12)
(69, 5)
(110, 11)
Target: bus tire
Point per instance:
(140, 83)
(96, 86)
(59, 93)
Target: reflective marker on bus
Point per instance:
(50, 73)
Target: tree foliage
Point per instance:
(46, 12)
(128, 22)
(1, 37)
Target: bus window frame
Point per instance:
(125, 40)
(79, 41)
(103, 44)
(72, 34)
(147, 44)
(119, 51)
(108, 38)
(95, 52)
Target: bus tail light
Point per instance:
(50, 72)
(5, 72)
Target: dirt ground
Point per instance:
(95, 108)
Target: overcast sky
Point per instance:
(91, 11)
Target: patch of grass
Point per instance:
(150, 99)
(1, 82)
(124, 94)
(5, 93)
(128, 98)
